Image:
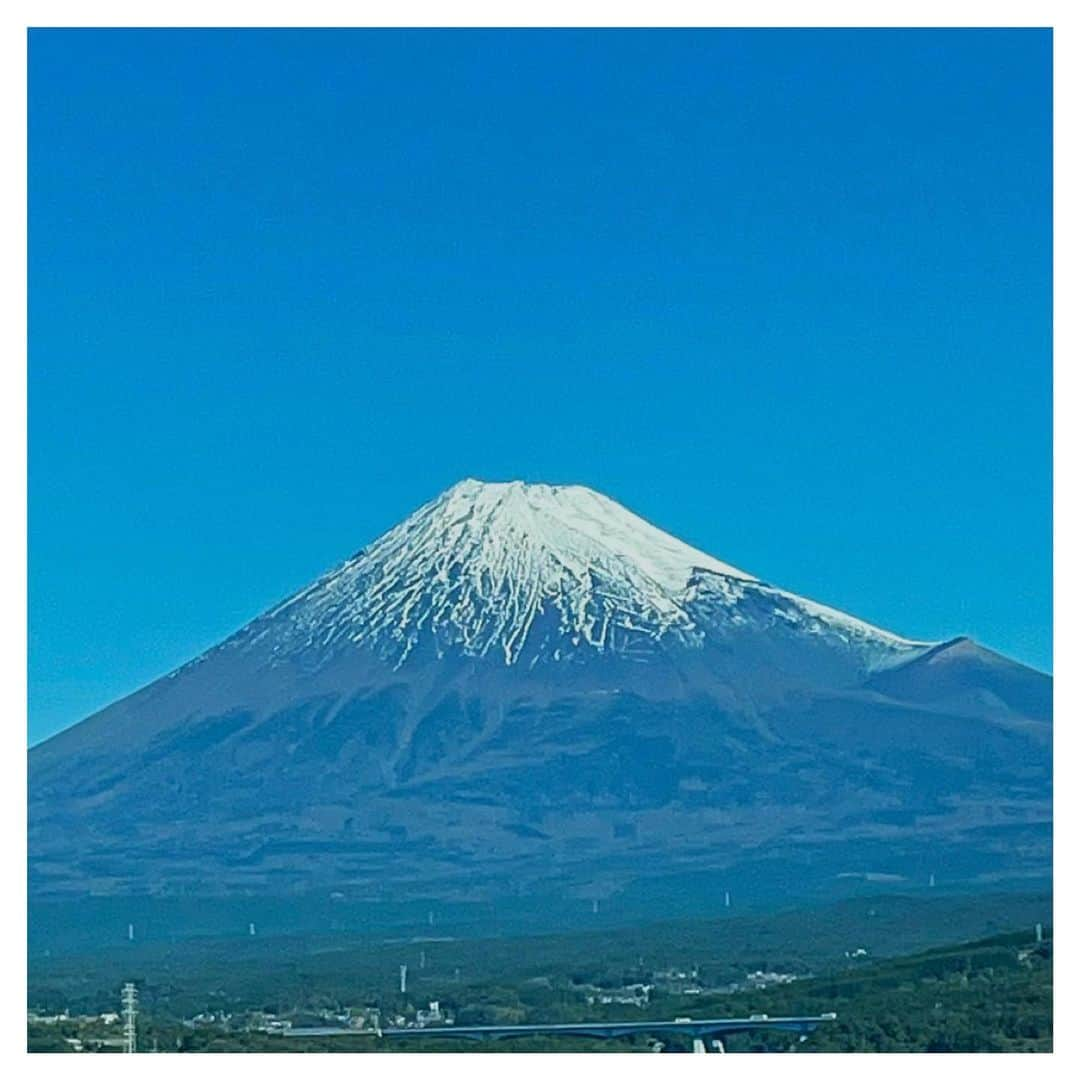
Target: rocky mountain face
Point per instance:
(528, 689)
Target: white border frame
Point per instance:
(476, 13)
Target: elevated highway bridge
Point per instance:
(701, 1032)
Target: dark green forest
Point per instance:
(992, 992)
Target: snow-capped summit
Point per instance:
(530, 573)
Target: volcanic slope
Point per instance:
(529, 683)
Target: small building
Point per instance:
(430, 1016)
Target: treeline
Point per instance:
(990, 995)
(504, 979)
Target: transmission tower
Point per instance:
(129, 997)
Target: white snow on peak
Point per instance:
(577, 525)
(531, 572)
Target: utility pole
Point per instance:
(129, 998)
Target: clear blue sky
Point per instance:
(785, 294)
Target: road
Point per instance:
(692, 1029)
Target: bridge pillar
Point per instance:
(709, 1046)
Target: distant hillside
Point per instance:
(990, 995)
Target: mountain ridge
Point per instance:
(530, 682)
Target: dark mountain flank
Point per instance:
(528, 690)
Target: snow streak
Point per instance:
(527, 572)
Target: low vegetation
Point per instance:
(990, 994)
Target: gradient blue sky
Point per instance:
(785, 294)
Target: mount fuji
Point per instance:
(527, 689)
